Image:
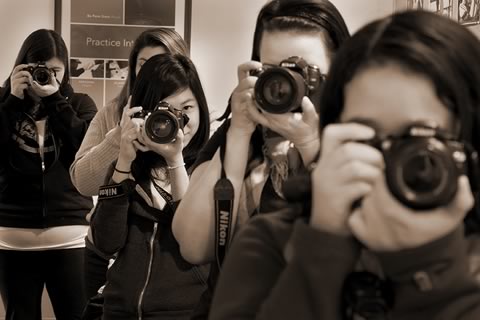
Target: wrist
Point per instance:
(308, 150)
(175, 163)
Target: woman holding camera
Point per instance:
(380, 235)
(101, 144)
(42, 215)
(132, 219)
(261, 149)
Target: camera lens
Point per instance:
(422, 175)
(41, 75)
(162, 127)
(423, 172)
(279, 90)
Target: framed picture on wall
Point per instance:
(468, 12)
(443, 7)
(100, 35)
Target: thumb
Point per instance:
(308, 108)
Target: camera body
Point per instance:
(423, 164)
(280, 89)
(367, 296)
(163, 122)
(41, 73)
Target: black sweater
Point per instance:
(36, 193)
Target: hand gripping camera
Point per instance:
(163, 122)
(280, 89)
(423, 165)
(41, 73)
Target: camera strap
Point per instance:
(223, 194)
(166, 196)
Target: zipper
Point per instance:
(149, 271)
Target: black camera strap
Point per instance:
(223, 194)
(166, 196)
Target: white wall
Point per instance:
(18, 18)
(222, 36)
(359, 12)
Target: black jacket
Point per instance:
(36, 193)
(149, 278)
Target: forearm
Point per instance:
(94, 157)
(308, 151)
(110, 219)
(305, 286)
(310, 287)
(179, 181)
(11, 107)
(194, 221)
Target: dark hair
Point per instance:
(160, 77)
(167, 38)
(419, 42)
(301, 15)
(40, 46)
(313, 16)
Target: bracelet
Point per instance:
(120, 171)
(175, 167)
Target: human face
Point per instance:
(145, 54)
(185, 101)
(389, 99)
(280, 45)
(56, 65)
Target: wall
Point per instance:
(18, 18)
(358, 13)
(222, 35)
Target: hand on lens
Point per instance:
(344, 173)
(382, 223)
(20, 80)
(171, 152)
(47, 89)
(301, 128)
(243, 99)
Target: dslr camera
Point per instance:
(163, 122)
(423, 163)
(41, 73)
(280, 89)
(367, 296)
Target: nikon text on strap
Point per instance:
(223, 194)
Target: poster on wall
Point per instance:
(468, 12)
(443, 7)
(100, 35)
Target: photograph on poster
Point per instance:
(86, 68)
(443, 7)
(468, 12)
(150, 12)
(117, 69)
